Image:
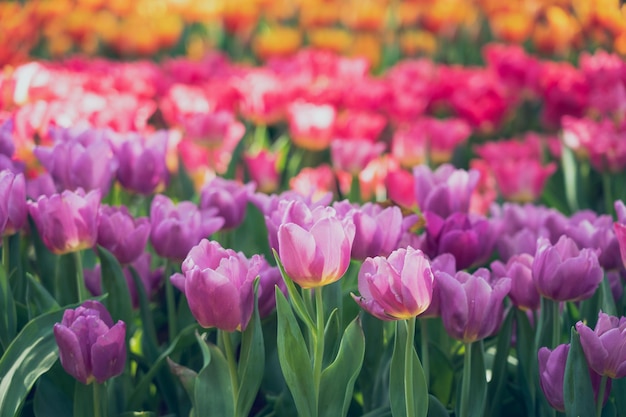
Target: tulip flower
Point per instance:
(398, 287)
(446, 190)
(121, 234)
(552, 374)
(218, 284)
(605, 346)
(262, 170)
(177, 228)
(67, 222)
(377, 230)
(523, 293)
(91, 347)
(311, 126)
(463, 293)
(562, 272)
(142, 162)
(314, 245)
(13, 209)
(229, 197)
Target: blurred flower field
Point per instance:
(313, 208)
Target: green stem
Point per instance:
(5, 255)
(170, 304)
(318, 353)
(467, 375)
(97, 402)
(556, 323)
(80, 279)
(355, 189)
(425, 354)
(608, 193)
(232, 365)
(408, 368)
(601, 392)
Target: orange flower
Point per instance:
(511, 27)
(277, 41)
(334, 39)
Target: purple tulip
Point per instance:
(377, 230)
(149, 278)
(13, 209)
(43, 184)
(470, 238)
(67, 222)
(7, 141)
(398, 287)
(269, 279)
(142, 162)
(562, 272)
(121, 234)
(605, 346)
(445, 191)
(91, 347)
(473, 307)
(588, 230)
(444, 263)
(178, 228)
(229, 197)
(73, 164)
(552, 375)
(523, 293)
(314, 245)
(218, 284)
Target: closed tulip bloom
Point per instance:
(122, 234)
(67, 222)
(605, 346)
(445, 191)
(13, 209)
(177, 228)
(377, 230)
(523, 293)
(228, 197)
(91, 347)
(473, 307)
(562, 272)
(315, 245)
(398, 287)
(218, 284)
(142, 162)
(552, 374)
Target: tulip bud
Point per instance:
(90, 346)
(12, 202)
(605, 346)
(121, 234)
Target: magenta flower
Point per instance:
(311, 125)
(67, 222)
(218, 284)
(377, 230)
(228, 197)
(13, 209)
(91, 347)
(605, 346)
(473, 307)
(121, 234)
(445, 191)
(353, 155)
(269, 279)
(523, 293)
(552, 374)
(562, 272)
(178, 228)
(398, 287)
(142, 162)
(314, 245)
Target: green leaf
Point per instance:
(338, 378)
(213, 391)
(54, 393)
(114, 283)
(29, 356)
(435, 408)
(371, 371)
(618, 389)
(397, 377)
(84, 403)
(186, 376)
(294, 295)
(526, 355)
(478, 381)
(251, 363)
(500, 364)
(204, 348)
(40, 301)
(45, 261)
(608, 302)
(294, 358)
(379, 412)
(8, 320)
(138, 414)
(577, 389)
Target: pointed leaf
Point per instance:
(294, 295)
(577, 389)
(338, 379)
(8, 320)
(114, 283)
(478, 381)
(294, 358)
(251, 363)
(213, 392)
(499, 374)
(40, 301)
(186, 376)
